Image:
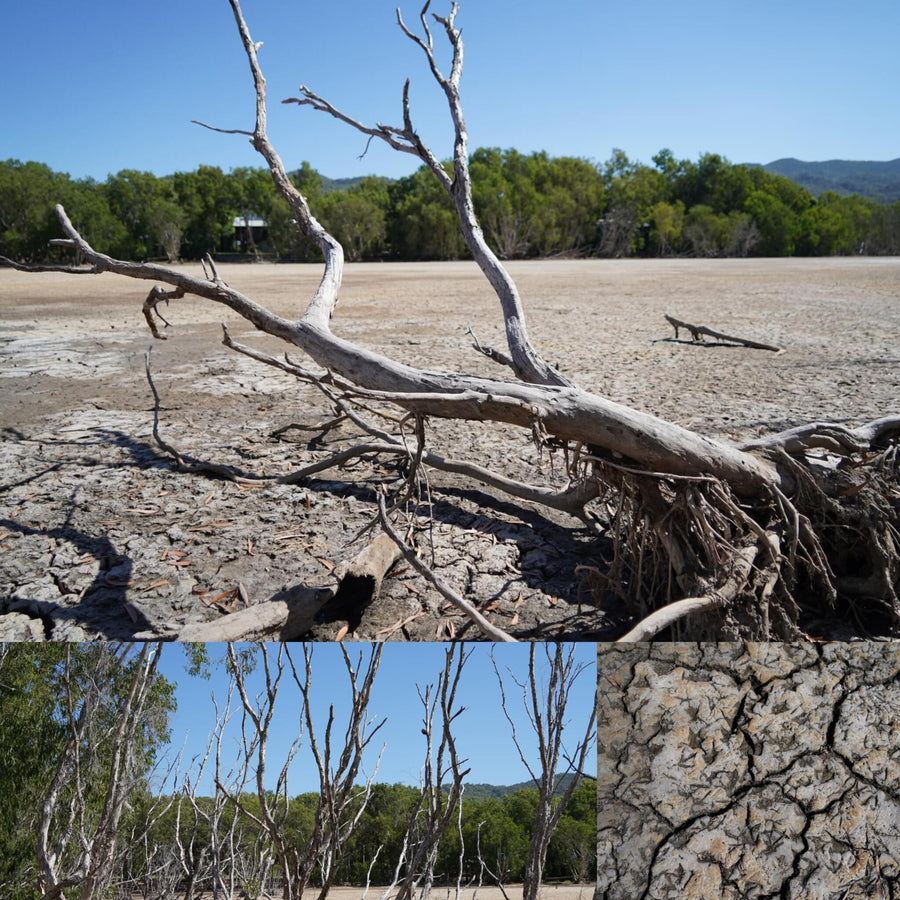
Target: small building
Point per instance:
(250, 233)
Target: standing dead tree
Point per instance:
(546, 706)
(441, 790)
(209, 848)
(752, 532)
(341, 801)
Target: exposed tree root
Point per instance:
(718, 598)
(757, 569)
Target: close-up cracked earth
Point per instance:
(744, 771)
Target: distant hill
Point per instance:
(331, 184)
(338, 184)
(878, 180)
(488, 791)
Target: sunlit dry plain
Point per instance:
(93, 521)
(509, 892)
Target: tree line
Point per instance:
(530, 206)
(490, 844)
(88, 809)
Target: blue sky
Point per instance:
(483, 734)
(101, 85)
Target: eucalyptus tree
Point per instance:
(97, 714)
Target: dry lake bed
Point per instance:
(100, 537)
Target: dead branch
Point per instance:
(699, 331)
(49, 267)
(830, 436)
(185, 463)
(572, 500)
(527, 363)
(567, 413)
(272, 620)
(441, 781)
(151, 308)
(464, 606)
(497, 356)
(291, 614)
(360, 580)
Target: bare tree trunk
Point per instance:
(76, 847)
(545, 706)
(438, 802)
(341, 801)
(217, 859)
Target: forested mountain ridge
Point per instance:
(873, 179)
(482, 791)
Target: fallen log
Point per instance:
(698, 332)
(289, 614)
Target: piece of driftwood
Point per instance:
(698, 332)
(289, 614)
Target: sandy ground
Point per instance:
(513, 892)
(100, 537)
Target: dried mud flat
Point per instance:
(748, 771)
(508, 892)
(100, 537)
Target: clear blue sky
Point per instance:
(100, 85)
(483, 734)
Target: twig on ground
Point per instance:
(461, 604)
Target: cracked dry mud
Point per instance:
(743, 771)
(101, 538)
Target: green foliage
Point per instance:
(534, 205)
(209, 201)
(529, 206)
(34, 731)
(28, 192)
(148, 207)
(778, 224)
(422, 222)
(667, 233)
(497, 826)
(357, 217)
(29, 732)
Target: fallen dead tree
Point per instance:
(815, 510)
